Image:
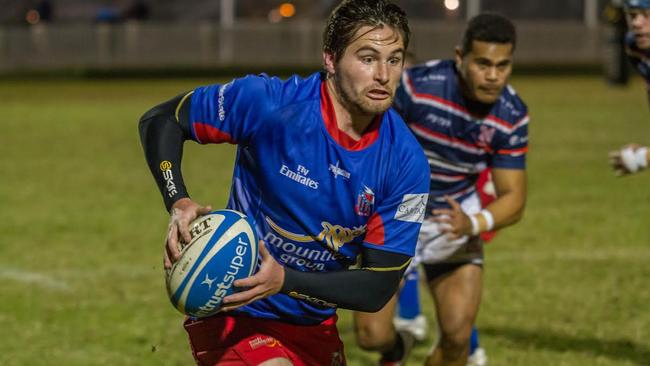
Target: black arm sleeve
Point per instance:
(367, 289)
(163, 129)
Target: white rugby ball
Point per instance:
(223, 248)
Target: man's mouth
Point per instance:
(641, 36)
(490, 90)
(378, 94)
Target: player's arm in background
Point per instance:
(508, 208)
(509, 178)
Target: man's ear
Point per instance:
(459, 57)
(328, 62)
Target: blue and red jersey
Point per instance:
(459, 144)
(639, 58)
(316, 195)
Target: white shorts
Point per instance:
(433, 247)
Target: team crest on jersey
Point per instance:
(365, 202)
(486, 135)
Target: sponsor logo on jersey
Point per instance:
(412, 208)
(170, 186)
(437, 120)
(300, 176)
(365, 202)
(514, 140)
(336, 170)
(313, 259)
(220, 101)
(335, 236)
(431, 77)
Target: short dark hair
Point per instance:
(488, 27)
(350, 15)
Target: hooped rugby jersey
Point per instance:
(316, 195)
(639, 58)
(458, 144)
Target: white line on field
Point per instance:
(39, 279)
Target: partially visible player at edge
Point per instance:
(633, 158)
(466, 118)
(333, 179)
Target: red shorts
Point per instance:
(226, 340)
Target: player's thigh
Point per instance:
(457, 296)
(374, 329)
(277, 362)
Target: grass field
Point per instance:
(83, 225)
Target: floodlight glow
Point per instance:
(33, 17)
(452, 4)
(287, 10)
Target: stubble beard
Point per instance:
(357, 104)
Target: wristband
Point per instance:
(489, 219)
(475, 227)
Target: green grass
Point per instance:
(83, 227)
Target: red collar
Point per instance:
(329, 116)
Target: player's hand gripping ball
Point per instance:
(224, 248)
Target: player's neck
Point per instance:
(353, 124)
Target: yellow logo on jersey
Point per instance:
(335, 236)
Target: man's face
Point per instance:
(366, 75)
(638, 21)
(485, 70)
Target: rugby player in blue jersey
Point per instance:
(467, 118)
(332, 177)
(634, 157)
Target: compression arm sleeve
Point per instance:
(367, 289)
(162, 133)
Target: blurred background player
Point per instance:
(633, 158)
(333, 179)
(467, 119)
(409, 317)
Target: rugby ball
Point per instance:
(223, 248)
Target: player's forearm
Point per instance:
(507, 209)
(367, 289)
(162, 140)
(360, 290)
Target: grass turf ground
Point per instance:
(83, 226)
